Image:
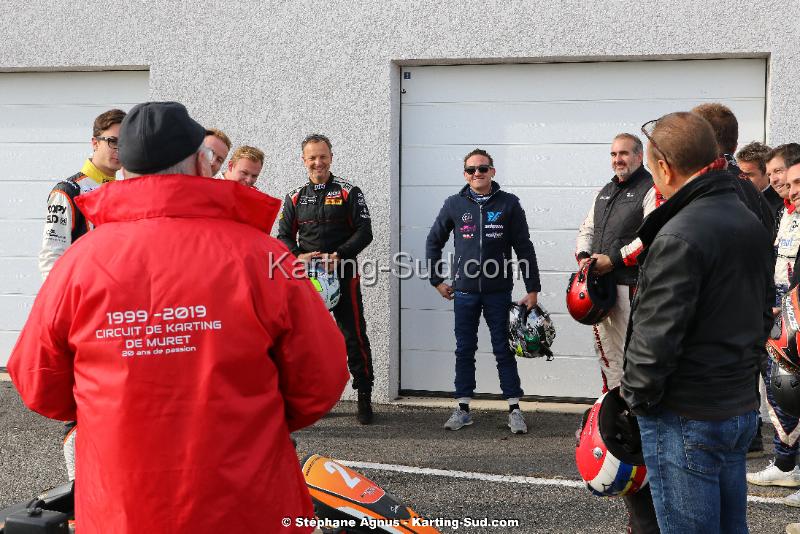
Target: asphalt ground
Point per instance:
(450, 481)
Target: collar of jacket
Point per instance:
(94, 173)
(178, 195)
(711, 183)
(789, 206)
(323, 185)
(465, 190)
(637, 175)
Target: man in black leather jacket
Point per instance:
(702, 310)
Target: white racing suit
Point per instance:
(64, 224)
(610, 333)
(787, 243)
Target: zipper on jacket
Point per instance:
(480, 246)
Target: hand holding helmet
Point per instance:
(590, 296)
(530, 332)
(326, 284)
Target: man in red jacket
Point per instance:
(186, 357)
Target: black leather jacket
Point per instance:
(703, 308)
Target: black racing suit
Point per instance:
(333, 217)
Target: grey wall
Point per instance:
(270, 72)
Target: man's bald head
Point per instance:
(681, 144)
(687, 140)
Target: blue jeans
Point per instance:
(467, 308)
(697, 471)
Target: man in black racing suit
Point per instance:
(327, 219)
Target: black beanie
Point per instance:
(157, 135)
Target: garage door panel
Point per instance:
(21, 199)
(7, 341)
(546, 208)
(584, 165)
(554, 248)
(34, 124)
(48, 162)
(561, 122)
(585, 81)
(561, 377)
(20, 238)
(549, 129)
(19, 276)
(105, 88)
(14, 310)
(418, 294)
(433, 330)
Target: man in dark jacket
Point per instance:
(487, 224)
(752, 163)
(726, 133)
(702, 310)
(327, 219)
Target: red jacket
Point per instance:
(194, 438)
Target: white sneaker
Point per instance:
(793, 500)
(516, 422)
(772, 476)
(793, 528)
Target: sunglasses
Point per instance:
(483, 169)
(647, 130)
(113, 142)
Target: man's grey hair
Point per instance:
(638, 148)
(185, 166)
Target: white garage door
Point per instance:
(45, 132)
(549, 129)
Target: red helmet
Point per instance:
(609, 450)
(590, 297)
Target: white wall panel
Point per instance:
(14, 311)
(19, 276)
(564, 165)
(105, 88)
(433, 330)
(45, 133)
(22, 199)
(553, 122)
(563, 377)
(49, 162)
(418, 294)
(549, 129)
(554, 248)
(545, 207)
(7, 341)
(20, 237)
(586, 81)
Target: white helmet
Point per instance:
(326, 284)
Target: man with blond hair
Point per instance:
(220, 144)
(245, 165)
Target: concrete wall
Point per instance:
(268, 73)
